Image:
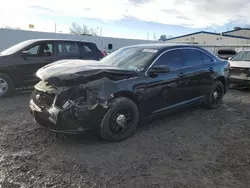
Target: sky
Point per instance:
(138, 19)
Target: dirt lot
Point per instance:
(193, 148)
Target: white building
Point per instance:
(9, 37)
(239, 37)
(242, 32)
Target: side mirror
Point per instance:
(25, 53)
(159, 69)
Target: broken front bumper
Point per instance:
(239, 76)
(239, 79)
(71, 120)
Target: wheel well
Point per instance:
(129, 95)
(223, 81)
(2, 73)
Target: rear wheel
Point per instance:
(215, 95)
(120, 121)
(6, 86)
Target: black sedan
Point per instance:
(19, 63)
(111, 96)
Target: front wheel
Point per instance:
(120, 121)
(215, 95)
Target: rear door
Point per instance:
(195, 71)
(207, 78)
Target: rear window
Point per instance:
(192, 57)
(89, 50)
(206, 58)
(68, 48)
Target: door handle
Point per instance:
(211, 69)
(180, 74)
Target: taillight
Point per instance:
(103, 54)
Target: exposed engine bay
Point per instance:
(72, 103)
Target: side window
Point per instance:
(84, 48)
(206, 58)
(192, 57)
(172, 58)
(41, 50)
(48, 48)
(34, 50)
(68, 48)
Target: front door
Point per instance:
(39, 55)
(163, 90)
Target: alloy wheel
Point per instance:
(3, 86)
(120, 121)
(217, 95)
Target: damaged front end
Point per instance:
(240, 76)
(72, 109)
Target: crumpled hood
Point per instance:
(72, 69)
(240, 64)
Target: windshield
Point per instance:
(16, 48)
(133, 58)
(242, 56)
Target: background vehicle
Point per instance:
(225, 53)
(135, 82)
(19, 63)
(240, 68)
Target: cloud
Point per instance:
(189, 13)
(39, 8)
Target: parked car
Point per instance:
(111, 96)
(240, 68)
(19, 63)
(225, 53)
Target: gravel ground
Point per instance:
(190, 148)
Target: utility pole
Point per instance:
(55, 27)
(100, 31)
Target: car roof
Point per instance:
(165, 45)
(74, 40)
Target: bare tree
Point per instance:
(82, 30)
(164, 37)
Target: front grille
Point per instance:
(43, 99)
(239, 71)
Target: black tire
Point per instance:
(108, 129)
(212, 101)
(9, 90)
